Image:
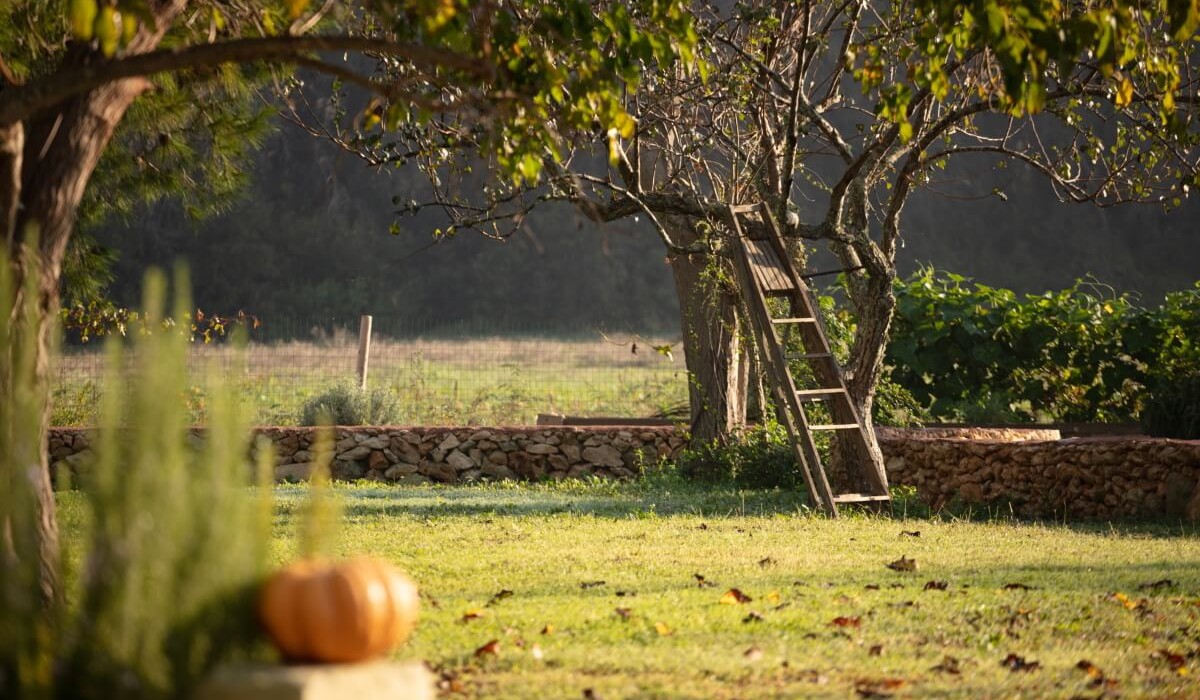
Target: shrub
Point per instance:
(343, 404)
(761, 457)
(1173, 409)
(175, 543)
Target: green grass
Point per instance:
(476, 381)
(647, 541)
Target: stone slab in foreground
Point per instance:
(368, 681)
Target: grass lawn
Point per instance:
(605, 600)
(476, 381)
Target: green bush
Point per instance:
(1085, 353)
(761, 457)
(1173, 410)
(344, 404)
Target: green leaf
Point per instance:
(108, 29)
(82, 14)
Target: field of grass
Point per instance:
(594, 591)
(476, 381)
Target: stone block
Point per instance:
(366, 681)
(294, 472)
(603, 455)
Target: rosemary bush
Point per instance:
(175, 543)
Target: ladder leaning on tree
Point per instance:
(765, 271)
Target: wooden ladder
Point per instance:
(765, 270)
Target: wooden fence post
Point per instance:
(364, 350)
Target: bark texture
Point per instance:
(717, 366)
(46, 162)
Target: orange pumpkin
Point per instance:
(338, 612)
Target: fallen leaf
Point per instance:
(624, 613)
(1126, 601)
(626, 594)
(910, 533)
(702, 526)
(734, 596)
(1018, 663)
(883, 688)
(903, 564)
(702, 582)
(773, 597)
(505, 593)
(753, 654)
(1016, 587)
(492, 648)
(871, 587)
(536, 652)
(1175, 661)
(875, 650)
(765, 562)
(949, 665)
(846, 621)
(753, 616)
(473, 615)
(548, 629)
(591, 584)
(1155, 585)
(936, 585)
(1090, 669)
(662, 629)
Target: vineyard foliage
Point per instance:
(1086, 353)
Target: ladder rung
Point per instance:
(816, 394)
(859, 498)
(806, 355)
(834, 426)
(793, 320)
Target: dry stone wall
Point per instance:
(445, 455)
(1092, 478)
(456, 455)
(1031, 472)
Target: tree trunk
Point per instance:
(717, 367)
(60, 153)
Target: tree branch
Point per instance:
(18, 104)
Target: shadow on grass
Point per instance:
(662, 498)
(599, 499)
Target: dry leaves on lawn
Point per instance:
(903, 564)
(501, 595)
(492, 648)
(1018, 663)
(734, 596)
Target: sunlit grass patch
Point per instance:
(605, 595)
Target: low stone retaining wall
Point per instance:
(1126, 477)
(446, 455)
(1028, 470)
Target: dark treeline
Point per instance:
(310, 238)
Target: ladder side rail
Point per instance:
(772, 355)
(815, 340)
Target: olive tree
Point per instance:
(71, 69)
(835, 114)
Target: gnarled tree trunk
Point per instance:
(719, 372)
(55, 162)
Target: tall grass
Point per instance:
(175, 541)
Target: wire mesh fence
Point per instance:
(497, 374)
